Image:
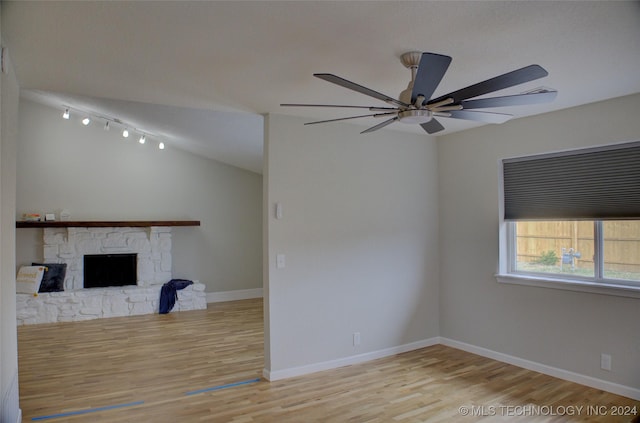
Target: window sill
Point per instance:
(570, 285)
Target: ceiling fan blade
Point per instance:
(359, 88)
(380, 125)
(488, 117)
(510, 100)
(351, 117)
(509, 79)
(432, 126)
(373, 109)
(430, 71)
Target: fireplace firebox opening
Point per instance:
(104, 270)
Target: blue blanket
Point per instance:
(169, 293)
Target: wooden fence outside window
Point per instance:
(621, 242)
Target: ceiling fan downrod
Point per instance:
(410, 60)
(416, 112)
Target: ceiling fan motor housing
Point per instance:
(405, 95)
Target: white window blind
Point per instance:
(594, 183)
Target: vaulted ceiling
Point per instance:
(202, 74)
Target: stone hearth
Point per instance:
(95, 303)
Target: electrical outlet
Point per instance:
(356, 338)
(605, 362)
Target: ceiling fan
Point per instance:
(415, 105)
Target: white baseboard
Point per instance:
(240, 294)
(346, 361)
(592, 382)
(19, 420)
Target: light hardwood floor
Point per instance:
(156, 362)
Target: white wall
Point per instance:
(562, 329)
(9, 407)
(98, 175)
(360, 236)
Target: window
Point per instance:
(571, 220)
(607, 252)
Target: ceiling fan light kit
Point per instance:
(414, 105)
(414, 116)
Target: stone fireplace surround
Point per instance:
(69, 245)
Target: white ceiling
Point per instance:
(201, 74)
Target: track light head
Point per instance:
(125, 133)
(161, 146)
(142, 139)
(86, 121)
(65, 115)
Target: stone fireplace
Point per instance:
(152, 248)
(70, 245)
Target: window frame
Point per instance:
(506, 266)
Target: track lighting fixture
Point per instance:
(109, 122)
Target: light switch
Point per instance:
(280, 261)
(605, 361)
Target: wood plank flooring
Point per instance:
(144, 367)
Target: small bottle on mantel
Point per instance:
(65, 215)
